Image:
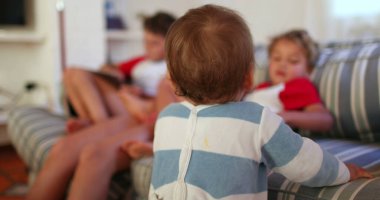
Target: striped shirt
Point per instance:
(224, 152)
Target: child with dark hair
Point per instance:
(95, 98)
(88, 159)
(213, 145)
(289, 92)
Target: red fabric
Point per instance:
(263, 85)
(298, 94)
(127, 66)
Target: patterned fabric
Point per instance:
(367, 156)
(348, 82)
(349, 44)
(33, 131)
(142, 173)
(224, 151)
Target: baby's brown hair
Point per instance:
(209, 54)
(301, 38)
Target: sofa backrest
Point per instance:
(348, 82)
(348, 79)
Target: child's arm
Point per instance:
(300, 159)
(314, 117)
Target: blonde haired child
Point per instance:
(289, 92)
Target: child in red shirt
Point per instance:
(96, 96)
(289, 92)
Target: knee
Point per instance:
(61, 150)
(73, 75)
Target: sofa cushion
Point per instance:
(367, 156)
(348, 82)
(33, 131)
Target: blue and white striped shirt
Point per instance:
(224, 151)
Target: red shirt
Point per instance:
(127, 66)
(297, 93)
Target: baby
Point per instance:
(214, 145)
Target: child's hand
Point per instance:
(357, 172)
(137, 149)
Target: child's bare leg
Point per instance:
(85, 95)
(100, 161)
(58, 169)
(92, 95)
(111, 97)
(135, 105)
(71, 92)
(75, 124)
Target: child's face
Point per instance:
(287, 61)
(154, 46)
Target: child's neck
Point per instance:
(238, 98)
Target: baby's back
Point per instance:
(209, 152)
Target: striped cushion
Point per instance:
(141, 174)
(367, 156)
(33, 131)
(348, 82)
(349, 44)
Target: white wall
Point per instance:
(265, 18)
(40, 61)
(85, 35)
(35, 61)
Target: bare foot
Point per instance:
(73, 124)
(137, 149)
(135, 105)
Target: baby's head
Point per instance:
(291, 55)
(209, 53)
(155, 29)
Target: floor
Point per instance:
(13, 175)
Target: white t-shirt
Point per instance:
(147, 75)
(268, 97)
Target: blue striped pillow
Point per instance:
(348, 82)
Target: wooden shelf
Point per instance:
(20, 37)
(124, 35)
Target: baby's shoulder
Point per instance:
(175, 110)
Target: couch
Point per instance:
(347, 76)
